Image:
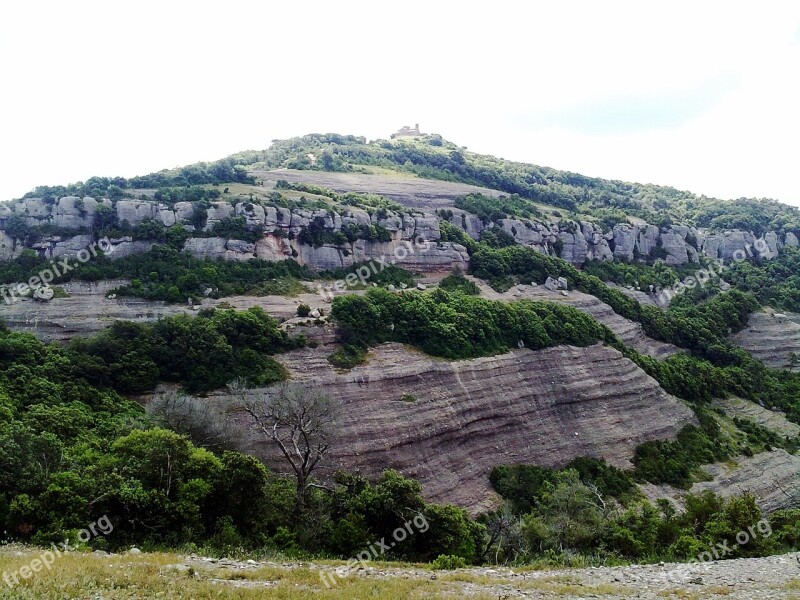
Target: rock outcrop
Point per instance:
(630, 332)
(573, 241)
(771, 419)
(771, 338)
(413, 239)
(771, 476)
(87, 310)
(449, 423)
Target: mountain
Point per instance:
(494, 335)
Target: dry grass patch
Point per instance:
(167, 576)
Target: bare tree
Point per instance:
(298, 420)
(205, 423)
(505, 537)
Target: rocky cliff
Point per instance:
(448, 423)
(280, 227)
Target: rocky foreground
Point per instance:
(135, 575)
(746, 579)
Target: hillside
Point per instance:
(482, 339)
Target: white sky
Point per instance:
(699, 95)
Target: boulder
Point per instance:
(8, 248)
(217, 212)
(675, 247)
(35, 210)
(736, 245)
(598, 248)
(135, 211)
(326, 257)
(427, 228)
(166, 216)
(711, 246)
(254, 214)
(393, 222)
(72, 212)
(646, 239)
(355, 216)
(43, 293)
(523, 232)
(624, 241)
(471, 224)
(184, 211)
(772, 243)
(574, 248)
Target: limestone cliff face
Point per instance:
(414, 239)
(448, 423)
(575, 242)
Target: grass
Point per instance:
(165, 575)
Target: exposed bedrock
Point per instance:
(771, 338)
(772, 477)
(88, 309)
(630, 332)
(449, 423)
(574, 241)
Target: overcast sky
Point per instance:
(698, 95)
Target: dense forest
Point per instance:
(73, 450)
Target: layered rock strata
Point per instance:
(448, 424)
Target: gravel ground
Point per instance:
(766, 578)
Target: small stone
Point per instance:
(134, 551)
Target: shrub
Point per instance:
(456, 282)
(445, 562)
(347, 357)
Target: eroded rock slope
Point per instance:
(771, 338)
(447, 423)
(629, 332)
